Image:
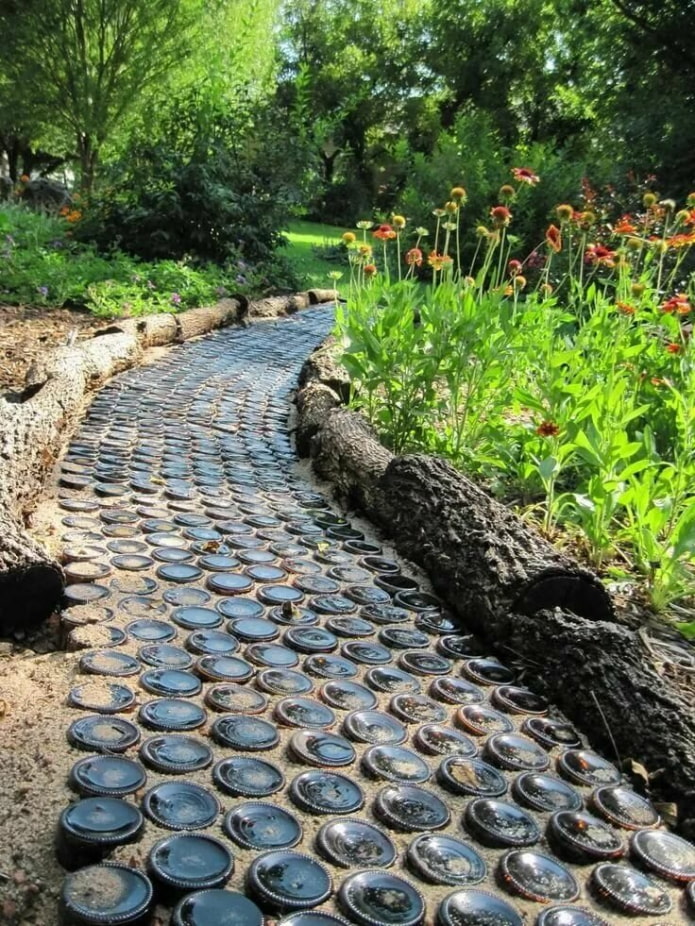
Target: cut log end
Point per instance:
(579, 593)
(29, 596)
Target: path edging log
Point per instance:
(36, 422)
(524, 597)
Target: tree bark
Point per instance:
(346, 451)
(608, 681)
(195, 322)
(479, 553)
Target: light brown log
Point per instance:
(194, 322)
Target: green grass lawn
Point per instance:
(309, 253)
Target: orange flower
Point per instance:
(500, 215)
(74, 216)
(369, 270)
(414, 256)
(679, 304)
(384, 233)
(438, 261)
(673, 348)
(547, 429)
(681, 241)
(625, 308)
(553, 238)
(519, 282)
(625, 227)
(525, 175)
(364, 250)
(64, 210)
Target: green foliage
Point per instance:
(314, 252)
(42, 264)
(573, 398)
(197, 190)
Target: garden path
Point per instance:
(252, 641)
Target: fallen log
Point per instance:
(604, 677)
(34, 425)
(479, 553)
(194, 322)
(277, 306)
(322, 367)
(347, 453)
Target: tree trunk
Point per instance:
(89, 157)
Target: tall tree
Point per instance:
(84, 64)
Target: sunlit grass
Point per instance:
(308, 251)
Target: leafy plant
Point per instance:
(565, 379)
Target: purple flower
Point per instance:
(175, 298)
(57, 244)
(42, 291)
(240, 278)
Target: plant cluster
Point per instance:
(563, 378)
(42, 263)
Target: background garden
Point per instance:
(514, 178)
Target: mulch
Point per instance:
(26, 332)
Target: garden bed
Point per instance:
(533, 605)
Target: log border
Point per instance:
(605, 676)
(37, 421)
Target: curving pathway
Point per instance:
(269, 701)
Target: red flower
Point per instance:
(547, 429)
(514, 267)
(384, 233)
(678, 304)
(413, 256)
(369, 270)
(600, 254)
(553, 238)
(673, 348)
(500, 215)
(525, 175)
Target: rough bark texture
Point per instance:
(316, 296)
(479, 553)
(28, 577)
(322, 367)
(276, 306)
(604, 677)
(346, 451)
(35, 424)
(313, 404)
(528, 600)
